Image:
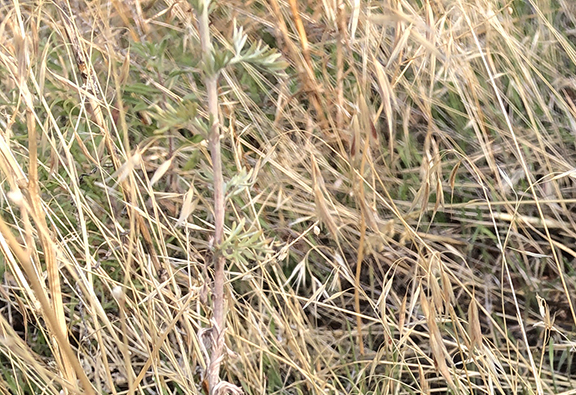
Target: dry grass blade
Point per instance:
(474, 329)
(437, 346)
(49, 314)
(32, 193)
(324, 213)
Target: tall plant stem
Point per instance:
(211, 82)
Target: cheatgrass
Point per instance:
(399, 184)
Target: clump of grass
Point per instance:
(393, 211)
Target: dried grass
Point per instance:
(399, 202)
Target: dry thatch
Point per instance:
(399, 198)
